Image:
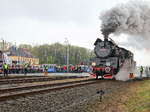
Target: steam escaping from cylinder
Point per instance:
(132, 18)
(125, 70)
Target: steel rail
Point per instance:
(40, 86)
(55, 87)
(36, 79)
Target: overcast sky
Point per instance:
(48, 21)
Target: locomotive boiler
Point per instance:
(109, 58)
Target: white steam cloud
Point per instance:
(132, 18)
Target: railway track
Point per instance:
(15, 77)
(32, 79)
(11, 93)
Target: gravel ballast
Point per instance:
(68, 100)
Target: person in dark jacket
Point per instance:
(25, 68)
(141, 71)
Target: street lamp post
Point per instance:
(67, 53)
(2, 49)
(3, 45)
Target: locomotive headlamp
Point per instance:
(93, 64)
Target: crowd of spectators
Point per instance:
(71, 68)
(20, 69)
(50, 68)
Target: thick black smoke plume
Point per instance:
(132, 18)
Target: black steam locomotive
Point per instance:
(109, 58)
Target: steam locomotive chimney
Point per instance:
(106, 37)
(105, 33)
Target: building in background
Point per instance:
(11, 54)
(21, 56)
(4, 51)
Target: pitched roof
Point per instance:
(14, 51)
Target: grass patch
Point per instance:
(139, 99)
